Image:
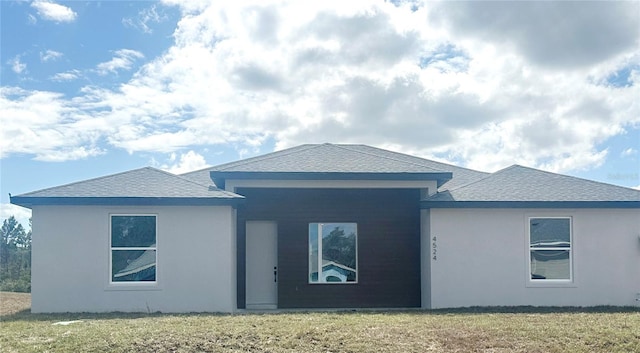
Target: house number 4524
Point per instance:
(434, 249)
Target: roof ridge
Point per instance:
(259, 158)
(198, 170)
(573, 177)
(276, 154)
(208, 187)
(416, 161)
(149, 168)
(86, 180)
(514, 166)
(385, 157)
(489, 175)
(456, 166)
(425, 159)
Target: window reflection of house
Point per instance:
(334, 272)
(142, 268)
(133, 248)
(337, 242)
(550, 248)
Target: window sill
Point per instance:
(551, 284)
(132, 287)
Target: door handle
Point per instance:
(275, 274)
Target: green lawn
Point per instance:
(488, 330)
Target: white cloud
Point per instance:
(629, 152)
(189, 7)
(144, 18)
(16, 65)
(47, 125)
(48, 10)
(70, 154)
(186, 162)
(122, 60)
(556, 34)
(636, 187)
(415, 79)
(66, 76)
(50, 55)
(21, 214)
(31, 19)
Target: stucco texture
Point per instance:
(195, 258)
(482, 258)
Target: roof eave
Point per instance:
(529, 204)
(219, 176)
(29, 202)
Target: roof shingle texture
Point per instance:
(518, 183)
(335, 158)
(145, 182)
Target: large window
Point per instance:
(333, 254)
(133, 248)
(550, 249)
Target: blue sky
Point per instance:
(98, 87)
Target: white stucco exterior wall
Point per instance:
(482, 258)
(195, 260)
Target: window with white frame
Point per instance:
(550, 248)
(333, 253)
(133, 252)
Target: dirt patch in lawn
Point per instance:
(12, 303)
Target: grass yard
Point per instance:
(488, 330)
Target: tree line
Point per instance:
(15, 256)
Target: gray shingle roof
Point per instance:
(515, 184)
(144, 183)
(338, 158)
(523, 184)
(461, 176)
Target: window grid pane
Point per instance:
(550, 232)
(550, 264)
(133, 231)
(133, 265)
(550, 249)
(133, 248)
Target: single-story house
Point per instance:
(332, 226)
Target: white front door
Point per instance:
(262, 262)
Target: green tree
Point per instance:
(11, 230)
(15, 256)
(340, 247)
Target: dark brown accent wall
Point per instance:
(388, 244)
